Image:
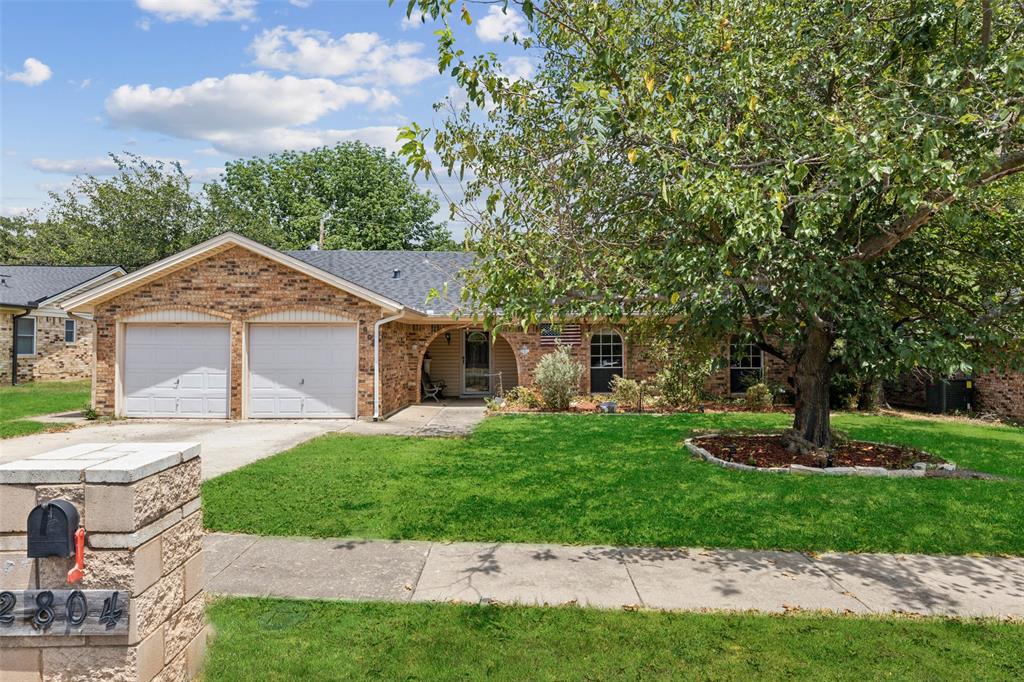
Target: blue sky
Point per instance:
(207, 81)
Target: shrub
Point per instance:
(627, 393)
(684, 367)
(558, 378)
(523, 397)
(759, 396)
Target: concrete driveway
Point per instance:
(226, 445)
(229, 445)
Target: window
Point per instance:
(25, 336)
(605, 359)
(746, 365)
(69, 331)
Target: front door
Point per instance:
(476, 379)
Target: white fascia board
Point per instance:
(111, 275)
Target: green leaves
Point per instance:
(746, 156)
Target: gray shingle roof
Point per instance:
(27, 285)
(420, 271)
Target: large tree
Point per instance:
(776, 165)
(142, 213)
(363, 195)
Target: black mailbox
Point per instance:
(51, 529)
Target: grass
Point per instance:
(268, 639)
(41, 397)
(625, 480)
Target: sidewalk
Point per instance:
(613, 577)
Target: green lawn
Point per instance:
(41, 397)
(267, 639)
(625, 480)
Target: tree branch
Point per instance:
(879, 245)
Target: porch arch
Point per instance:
(496, 337)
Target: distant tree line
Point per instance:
(149, 210)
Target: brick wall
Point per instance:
(54, 360)
(1000, 392)
(997, 391)
(237, 285)
(144, 539)
(6, 341)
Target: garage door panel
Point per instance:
(176, 371)
(302, 371)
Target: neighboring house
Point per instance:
(39, 341)
(994, 391)
(234, 329)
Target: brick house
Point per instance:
(234, 329)
(998, 391)
(39, 340)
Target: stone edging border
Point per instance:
(799, 468)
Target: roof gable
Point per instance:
(208, 249)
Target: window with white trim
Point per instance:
(746, 365)
(70, 331)
(25, 336)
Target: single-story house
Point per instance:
(39, 341)
(234, 329)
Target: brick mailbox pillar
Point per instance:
(139, 615)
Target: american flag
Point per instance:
(566, 334)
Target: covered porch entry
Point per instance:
(468, 362)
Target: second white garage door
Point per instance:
(302, 371)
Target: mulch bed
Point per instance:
(770, 451)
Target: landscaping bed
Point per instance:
(771, 450)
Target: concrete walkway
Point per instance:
(228, 445)
(613, 577)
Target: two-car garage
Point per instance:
(290, 370)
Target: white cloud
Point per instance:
(102, 165)
(499, 23)
(82, 84)
(199, 11)
(414, 20)
(144, 23)
(9, 211)
(34, 72)
(517, 68)
(301, 3)
(249, 113)
(277, 139)
(204, 174)
(359, 57)
(237, 102)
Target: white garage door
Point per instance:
(176, 371)
(302, 371)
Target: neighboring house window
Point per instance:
(746, 365)
(25, 336)
(565, 334)
(69, 331)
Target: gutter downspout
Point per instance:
(14, 345)
(376, 361)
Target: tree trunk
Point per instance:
(811, 379)
(870, 395)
